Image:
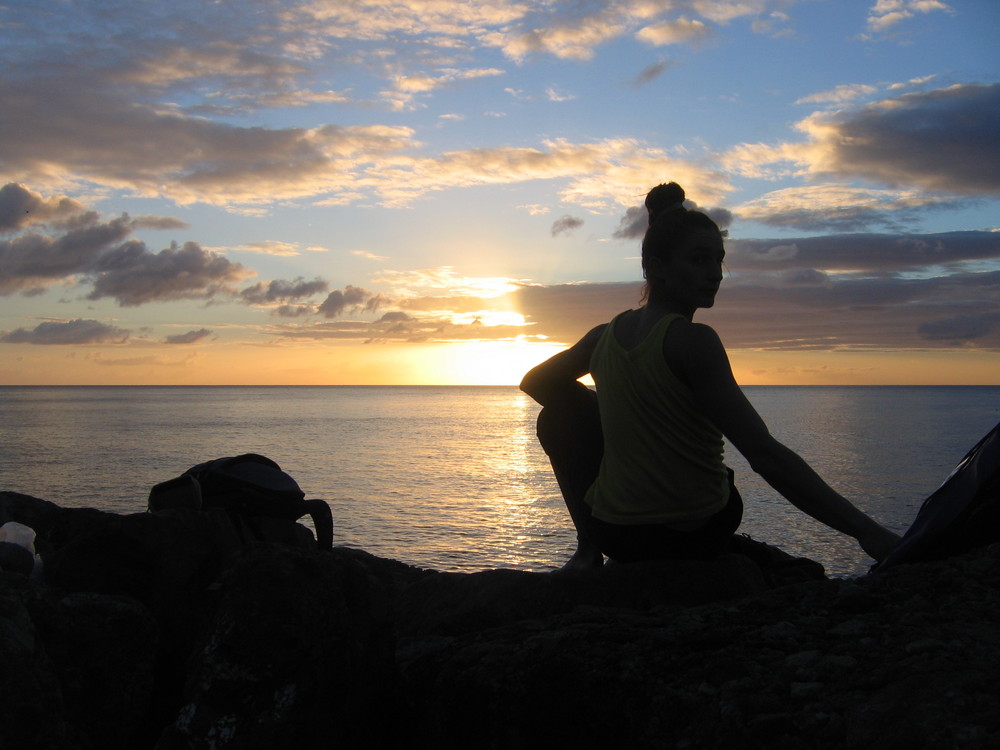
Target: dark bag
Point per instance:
(962, 514)
(249, 485)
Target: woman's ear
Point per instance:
(654, 268)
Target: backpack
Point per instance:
(248, 485)
(961, 515)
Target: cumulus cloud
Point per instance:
(349, 298)
(34, 260)
(133, 275)
(83, 248)
(75, 332)
(280, 290)
(941, 140)
(21, 207)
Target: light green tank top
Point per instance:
(663, 459)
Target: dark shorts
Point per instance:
(656, 541)
(569, 429)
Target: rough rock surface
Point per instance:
(182, 630)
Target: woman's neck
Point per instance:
(657, 305)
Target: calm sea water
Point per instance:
(452, 478)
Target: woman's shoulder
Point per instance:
(689, 347)
(691, 332)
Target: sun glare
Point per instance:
(493, 362)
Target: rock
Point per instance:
(77, 668)
(183, 630)
(310, 660)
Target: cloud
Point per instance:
(651, 72)
(845, 92)
(34, 260)
(139, 121)
(424, 282)
(633, 224)
(839, 292)
(133, 275)
(568, 37)
(349, 298)
(294, 311)
(852, 291)
(600, 175)
(272, 247)
(158, 222)
(407, 86)
(395, 317)
(566, 225)
(840, 208)
(886, 14)
(867, 253)
(962, 328)
(72, 332)
(280, 290)
(680, 31)
(941, 140)
(117, 143)
(191, 337)
(82, 248)
(21, 207)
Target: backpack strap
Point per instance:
(322, 519)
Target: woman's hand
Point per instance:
(879, 542)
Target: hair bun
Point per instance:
(664, 197)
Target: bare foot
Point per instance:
(586, 557)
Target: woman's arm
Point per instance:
(702, 362)
(562, 369)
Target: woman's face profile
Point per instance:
(691, 273)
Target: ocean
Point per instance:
(452, 478)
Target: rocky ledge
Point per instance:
(184, 630)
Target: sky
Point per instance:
(443, 192)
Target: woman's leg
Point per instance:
(639, 542)
(569, 429)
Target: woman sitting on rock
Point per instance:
(640, 464)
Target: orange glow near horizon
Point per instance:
(480, 362)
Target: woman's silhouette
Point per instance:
(640, 464)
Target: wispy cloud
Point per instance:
(191, 337)
(71, 332)
(566, 225)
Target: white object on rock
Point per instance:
(23, 536)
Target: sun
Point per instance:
(492, 362)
